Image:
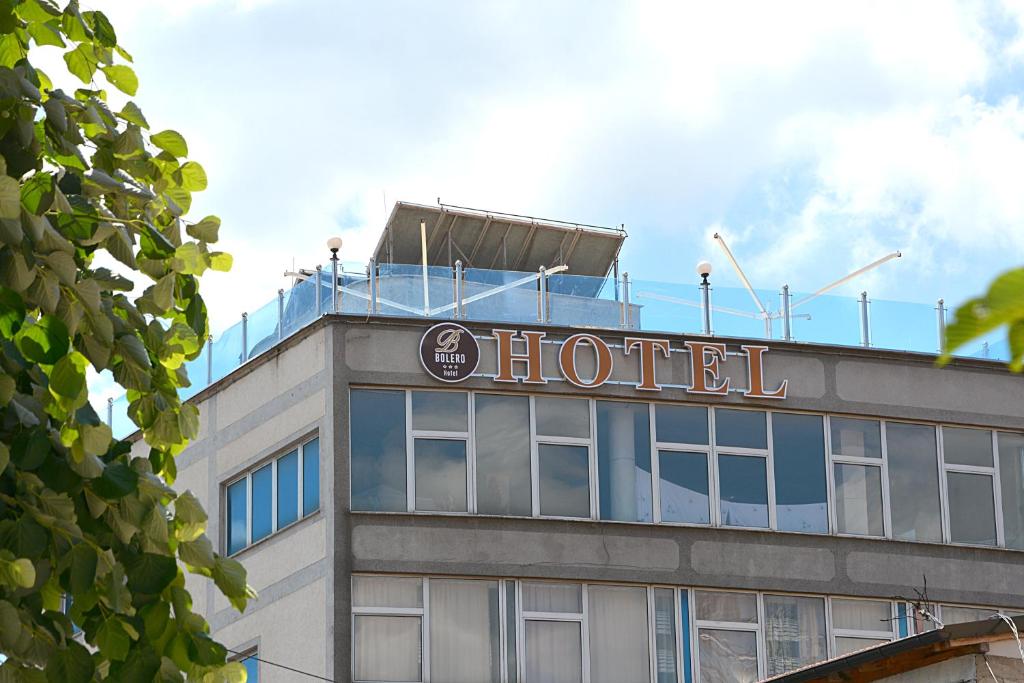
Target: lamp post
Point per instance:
(704, 270)
(334, 244)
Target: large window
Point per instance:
(630, 461)
(794, 632)
(273, 496)
(727, 637)
(857, 624)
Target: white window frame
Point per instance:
(834, 459)
(537, 440)
(766, 454)
(523, 616)
(943, 506)
(246, 476)
(698, 624)
(991, 472)
(440, 435)
(671, 446)
(834, 632)
(420, 612)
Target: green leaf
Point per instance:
(67, 379)
(205, 230)
(191, 176)
(163, 292)
(46, 33)
(197, 553)
(16, 573)
(95, 439)
(113, 640)
(12, 312)
(83, 568)
(150, 573)
(102, 29)
(70, 664)
(221, 261)
(37, 193)
(44, 342)
(132, 114)
(229, 575)
(12, 50)
(10, 197)
(117, 481)
(37, 10)
(170, 141)
(5, 457)
(123, 78)
(82, 62)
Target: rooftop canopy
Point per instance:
(496, 241)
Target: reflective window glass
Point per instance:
(743, 488)
(962, 615)
(801, 490)
(684, 487)
(1011, 478)
(972, 516)
(619, 650)
(310, 477)
(387, 591)
(624, 461)
(727, 656)
(510, 632)
(563, 417)
(236, 516)
(913, 482)
(377, 428)
(859, 438)
(846, 644)
(554, 652)
(262, 503)
(665, 636)
(564, 480)
(386, 648)
(962, 446)
(740, 428)
(252, 669)
(440, 411)
(552, 597)
(465, 645)
(440, 475)
(287, 489)
(681, 424)
(726, 606)
(858, 500)
(794, 632)
(502, 454)
(861, 615)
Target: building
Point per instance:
(554, 476)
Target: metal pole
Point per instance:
(209, 361)
(627, 312)
(319, 291)
(787, 315)
(280, 314)
(245, 337)
(984, 350)
(705, 305)
(110, 413)
(458, 288)
(941, 313)
(334, 282)
(542, 295)
(423, 250)
(615, 271)
(865, 329)
(373, 286)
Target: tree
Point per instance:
(1002, 304)
(81, 519)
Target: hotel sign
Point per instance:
(449, 352)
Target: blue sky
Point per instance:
(815, 136)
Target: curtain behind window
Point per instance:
(618, 634)
(464, 631)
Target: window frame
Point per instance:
(994, 479)
(769, 471)
(467, 437)
(672, 447)
(833, 458)
(298, 446)
(698, 624)
(834, 632)
(538, 440)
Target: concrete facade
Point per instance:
(303, 573)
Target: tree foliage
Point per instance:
(1002, 305)
(81, 519)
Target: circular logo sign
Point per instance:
(449, 352)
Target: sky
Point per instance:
(815, 136)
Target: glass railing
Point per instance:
(571, 300)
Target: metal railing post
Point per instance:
(940, 311)
(373, 286)
(627, 312)
(110, 413)
(615, 272)
(319, 291)
(705, 305)
(542, 295)
(334, 284)
(280, 314)
(245, 337)
(209, 361)
(458, 288)
(787, 317)
(865, 323)
(984, 349)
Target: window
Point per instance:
(624, 461)
(961, 615)
(794, 631)
(801, 490)
(563, 456)
(741, 448)
(250, 660)
(503, 455)
(912, 459)
(465, 631)
(683, 461)
(1011, 476)
(440, 436)
(553, 631)
(377, 428)
(727, 635)
(666, 665)
(619, 649)
(857, 624)
(266, 500)
(387, 618)
(857, 476)
(970, 485)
